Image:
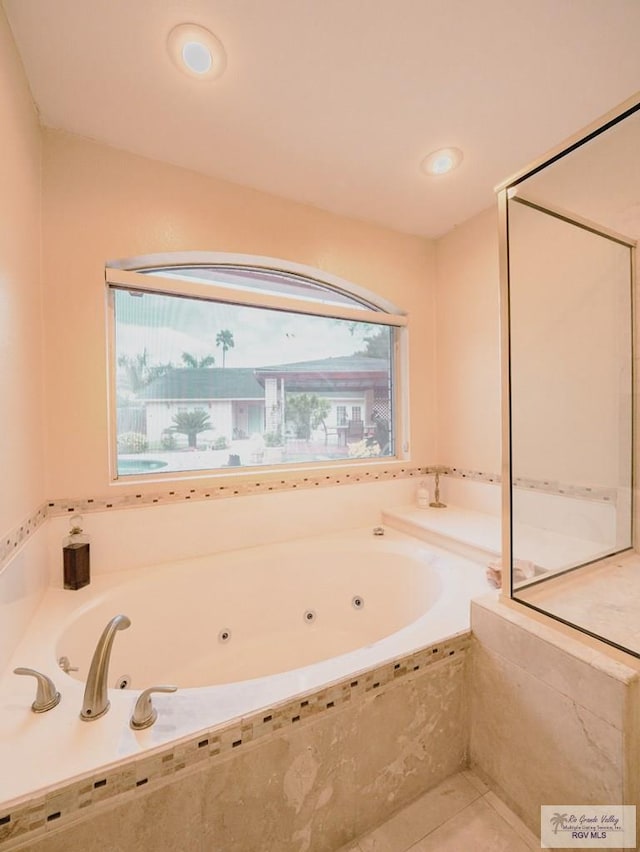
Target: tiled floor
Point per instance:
(460, 814)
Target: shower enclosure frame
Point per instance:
(505, 192)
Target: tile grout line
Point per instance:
(516, 824)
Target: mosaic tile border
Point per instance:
(253, 485)
(52, 508)
(12, 541)
(475, 475)
(578, 492)
(32, 819)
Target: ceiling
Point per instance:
(335, 103)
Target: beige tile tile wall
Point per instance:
(563, 708)
(329, 765)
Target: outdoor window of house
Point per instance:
(222, 366)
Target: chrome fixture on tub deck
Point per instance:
(65, 665)
(144, 713)
(47, 697)
(96, 702)
(436, 504)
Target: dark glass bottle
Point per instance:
(75, 557)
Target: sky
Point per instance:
(167, 326)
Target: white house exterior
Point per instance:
(244, 401)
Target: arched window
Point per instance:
(221, 361)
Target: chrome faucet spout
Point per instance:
(95, 702)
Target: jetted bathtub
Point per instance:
(235, 632)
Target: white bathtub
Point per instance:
(410, 595)
(255, 612)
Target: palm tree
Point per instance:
(140, 371)
(191, 423)
(195, 363)
(225, 339)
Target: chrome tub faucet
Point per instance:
(47, 697)
(95, 702)
(144, 713)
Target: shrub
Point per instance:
(168, 440)
(220, 443)
(272, 439)
(363, 449)
(132, 442)
(306, 411)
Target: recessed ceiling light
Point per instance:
(196, 51)
(442, 161)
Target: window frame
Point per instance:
(132, 275)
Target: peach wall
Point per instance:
(21, 448)
(468, 345)
(101, 203)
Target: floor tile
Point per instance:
(478, 827)
(461, 813)
(514, 821)
(422, 816)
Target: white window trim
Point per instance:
(117, 276)
(219, 258)
(132, 281)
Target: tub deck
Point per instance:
(477, 535)
(53, 755)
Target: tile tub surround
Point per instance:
(269, 482)
(581, 492)
(476, 533)
(313, 772)
(178, 525)
(23, 583)
(261, 482)
(470, 533)
(73, 747)
(13, 540)
(130, 538)
(568, 709)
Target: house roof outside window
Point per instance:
(327, 375)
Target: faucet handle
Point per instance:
(144, 713)
(47, 697)
(65, 665)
